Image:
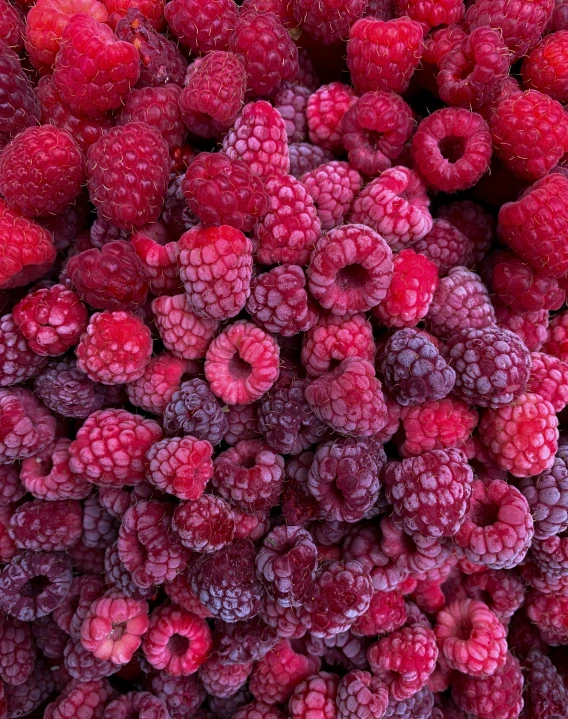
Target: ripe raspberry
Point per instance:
(324, 113)
(161, 378)
(180, 467)
(284, 620)
(82, 74)
(157, 107)
(258, 710)
(202, 27)
(547, 496)
(70, 614)
(11, 488)
(443, 424)
(19, 106)
(151, 10)
(530, 327)
(535, 226)
(291, 101)
(430, 13)
(547, 695)
(147, 546)
(498, 528)
(475, 223)
(444, 245)
(385, 613)
(501, 590)
(127, 172)
(290, 226)
(12, 30)
(99, 527)
(551, 556)
(241, 363)
(65, 390)
(315, 696)
(305, 157)
(214, 91)
(327, 23)
(204, 525)
(27, 698)
(46, 525)
(18, 652)
(277, 674)
(496, 697)
(549, 379)
(26, 427)
(18, 362)
(69, 224)
(544, 68)
(298, 506)
(185, 334)
(226, 582)
(181, 695)
(258, 137)
(26, 249)
(136, 704)
(193, 409)
(159, 259)
(333, 186)
(87, 699)
(384, 55)
(556, 344)
(550, 614)
(33, 584)
(223, 680)
(452, 149)
(47, 475)
(404, 660)
(120, 579)
(418, 706)
(242, 420)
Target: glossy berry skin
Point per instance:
(202, 27)
(544, 68)
(327, 22)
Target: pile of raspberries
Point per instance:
(283, 359)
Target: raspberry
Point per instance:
(333, 186)
(475, 223)
(69, 615)
(291, 101)
(183, 333)
(549, 378)
(226, 582)
(442, 424)
(242, 420)
(180, 467)
(452, 148)
(498, 696)
(290, 226)
(305, 157)
(26, 427)
(115, 349)
(127, 172)
(136, 704)
(349, 399)
(86, 699)
(87, 43)
(384, 55)
(404, 660)
(19, 106)
(120, 579)
(47, 475)
(535, 226)
(65, 390)
(431, 13)
(544, 68)
(151, 10)
(327, 23)
(324, 113)
(18, 651)
(444, 245)
(285, 620)
(223, 680)
(12, 29)
(155, 388)
(501, 590)
(279, 302)
(278, 673)
(46, 525)
(258, 710)
(202, 27)
(204, 525)
(26, 698)
(99, 527)
(33, 584)
(498, 528)
(26, 249)
(11, 488)
(69, 224)
(159, 260)
(241, 363)
(215, 267)
(556, 344)
(193, 409)
(18, 362)
(547, 695)
(550, 556)
(418, 706)
(530, 327)
(547, 496)
(385, 613)
(549, 613)
(258, 137)
(181, 695)
(315, 696)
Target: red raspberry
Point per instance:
(11, 489)
(87, 43)
(70, 614)
(213, 94)
(277, 674)
(475, 223)
(136, 704)
(550, 614)
(559, 19)
(87, 699)
(226, 581)
(88, 559)
(221, 191)
(26, 427)
(258, 710)
(396, 206)
(549, 379)
(193, 409)
(375, 130)
(223, 680)
(17, 652)
(551, 556)
(46, 525)
(349, 399)
(99, 527)
(430, 13)
(181, 695)
(68, 225)
(315, 697)
(185, 334)
(452, 149)
(285, 620)
(159, 260)
(290, 227)
(151, 10)
(385, 613)
(26, 249)
(404, 660)
(242, 420)
(12, 30)
(119, 578)
(258, 137)
(498, 528)
(535, 226)
(445, 245)
(442, 424)
(65, 390)
(324, 113)
(298, 505)
(547, 695)
(496, 697)
(556, 344)
(418, 706)
(200, 26)
(157, 107)
(81, 664)
(333, 186)
(47, 475)
(384, 55)
(327, 23)
(530, 327)
(291, 101)
(33, 584)
(180, 467)
(547, 495)
(19, 106)
(27, 698)
(503, 591)
(242, 363)
(305, 157)
(544, 69)
(250, 526)
(204, 525)
(127, 172)
(110, 447)
(18, 362)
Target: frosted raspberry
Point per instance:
(285, 620)
(384, 55)
(503, 591)
(180, 467)
(223, 680)
(85, 698)
(404, 660)
(431, 13)
(498, 696)
(547, 495)
(67, 391)
(550, 556)
(315, 696)
(87, 559)
(18, 362)
(444, 245)
(530, 327)
(324, 113)
(290, 227)
(103, 231)
(33, 584)
(26, 249)
(385, 613)
(17, 651)
(349, 399)
(277, 674)
(27, 698)
(8, 549)
(550, 614)
(305, 157)
(19, 107)
(226, 581)
(181, 695)
(136, 704)
(115, 349)
(442, 424)
(26, 427)
(204, 525)
(258, 710)
(242, 420)
(547, 695)
(183, 332)
(47, 475)
(157, 107)
(291, 101)
(193, 409)
(120, 579)
(298, 505)
(549, 379)
(418, 706)
(556, 344)
(333, 186)
(155, 388)
(243, 642)
(249, 525)
(99, 527)
(159, 260)
(11, 489)
(70, 614)
(202, 27)
(475, 223)
(241, 363)
(46, 525)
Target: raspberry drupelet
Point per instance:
(26, 427)
(18, 362)
(324, 113)
(315, 696)
(194, 410)
(204, 525)
(333, 186)
(202, 27)
(185, 334)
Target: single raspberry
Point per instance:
(181, 695)
(315, 696)
(47, 475)
(159, 259)
(154, 389)
(501, 590)
(556, 344)
(33, 584)
(291, 101)
(498, 528)
(11, 488)
(27, 698)
(87, 559)
(444, 245)
(284, 620)
(277, 674)
(46, 525)
(361, 696)
(194, 410)
(67, 391)
(120, 579)
(327, 23)
(100, 528)
(418, 706)
(204, 525)
(26, 249)
(185, 334)
(26, 427)
(85, 698)
(498, 696)
(257, 710)
(180, 467)
(452, 149)
(18, 362)
(243, 642)
(12, 30)
(250, 526)
(305, 157)
(535, 226)
(550, 614)
(226, 581)
(258, 137)
(19, 106)
(70, 614)
(18, 651)
(223, 680)
(136, 704)
(550, 556)
(544, 68)
(475, 223)
(115, 349)
(324, 113)
(385, 613)
(430, 13)
(242, 420)
(103, 231)
(333, 339)
(549, 379)
(202, 27)
(135, 151)
(69, 224)
(547, 495)
(547, 695)
(157, 107)
(384, 55)
(404, 660)
(241, 363)
(298, 506)
(530, 327)
(333, 186)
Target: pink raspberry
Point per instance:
(375, 130)
(404, 660)
(452, 149)
(503, 591)
(549, 379)
(46, 525)
(349, 399)
(176, 641)
(258, 710)
(384, 55)
(530, 327)
(157, 107)
(223, 680)
(11, 488)
(442, 424)
(258, 137)
(547, 495)
(180, 467)
(315, 697)
(17, 652)
(324, 113)
(544, 69)
(333, 186)
(385, 613)
(181, 695)
(81, 664)
(291, 101)
(547, 694)
(159, 259)
(18, 362)
(204, 525)
(431, 13)
(444, 245)
(137, 704)
(498, 696)
(120, 579)
(135, 151)
(241, 363)
(327, 22)
(473, 222)
(285, 620)
(305, 157)
(110, 447)
(154, 389)
(85, 698)
(115, 349)
(48, 476)
(550, 614)
(26, 427)
(250, 526)
(556, 342)
(70, 614)
(498, 528)
(202, 27)
(12, 29)
(183, 332)
(276, 675)
(550, 555)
